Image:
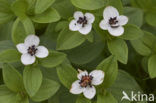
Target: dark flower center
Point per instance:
(86, 81)
(83, 21)
(32, 50)
(113, 21)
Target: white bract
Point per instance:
(85, 83)
(82, 22)
(31, 49)
(113, 22)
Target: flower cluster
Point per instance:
(112, 22)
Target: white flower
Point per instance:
(31, 49)
(86, 81)
(81, 22)
(113, 22)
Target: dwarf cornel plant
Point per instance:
(77, 51)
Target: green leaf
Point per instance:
(89, 4)
(150, 19)
(18, 32)
(47, 89)
(69, 39)
(67, 74)
(5, 12)
(5, 45)
(80, 54)
(32, 77)
(42, 5)
(7, 96)
(106, 97)
(135, 16)
(140, 47)
(117, 4)
(124, 82)
(9, 56)
(118, 47)
(49, 16)
(19, 7)
(110, 68)
(12, 78)
(149, 40)
(152, 66)
(28, 26)
(54, 59)
(81, 99)
(131, 32)
(65, 8)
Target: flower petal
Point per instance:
(89, 92)
(42, 52)
(104, 25)
(82, 73)
(74, 26)
(116, 31)
(90, 17)
(86, 29)
(76, 88)
(98, 77)
(110, 12)
(122, 20)
(22, 48)
(78, 14)
(32, 40)
(27, 59)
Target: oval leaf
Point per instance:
(47, 89)
(18, 32)
(152, 66)
(54, 59)
(49, 16)
(42, 5)
(67, 74)
(140, 47)
(12, 78)
(32, 77)
(68, 39)
(106, 97)
(118, 47)
(131, 32)
(110, 68)
(9, 56)
(7, 96)
(89, 4)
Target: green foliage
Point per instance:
(67, 74)
(131, 32)
(151, 66)
(106, 97)
(89, 4)
(49, 79)
(110, 68)
(81, 99)
(118, 47)
(68, 39)
(49, 16)
(124, 82)
(42, 5)
(5, 56)
(32, 78)
(48, 88)
(12, 78)
(7, 96)
(54, 59)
